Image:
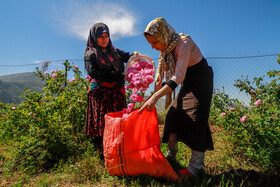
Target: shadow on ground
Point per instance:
(231, 178)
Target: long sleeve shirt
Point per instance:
(186, 54)
(105, 73)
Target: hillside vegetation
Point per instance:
(12, 86)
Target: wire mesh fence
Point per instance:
(14, 79)
(228, 69)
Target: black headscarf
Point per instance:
(96, 31)
(107, 58)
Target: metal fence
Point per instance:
(226, 69)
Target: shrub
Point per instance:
(48, 127)
(253, 130)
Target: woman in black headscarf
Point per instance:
(105, 65)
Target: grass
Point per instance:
(221, 169)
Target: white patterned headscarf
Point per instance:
(165, 33)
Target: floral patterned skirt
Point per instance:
(101, 101)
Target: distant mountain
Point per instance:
(11, 86)
(28, 76)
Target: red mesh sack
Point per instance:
(132, 145)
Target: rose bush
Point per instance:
(253, 130)
(47, 127)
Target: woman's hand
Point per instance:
(135, 53)
(125, 78)
(149, 103)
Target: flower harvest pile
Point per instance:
(139, 76)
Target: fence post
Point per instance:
(66, 65)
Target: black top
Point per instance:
(104, 71)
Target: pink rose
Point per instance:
(87, 77)
(130, 75)
(137, 66)
(134, 97)
(128, 110)
(150, 78)
(131, 105)
(13, 108)
(124, 115)
(103, 61)
(54, 75)
(135, 90)
(73, 80)
(140, 99)
(258, 102)
(151, 71)
(143, 90)
(137, 83)
(243, 119)
(223, 114)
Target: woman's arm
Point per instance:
(124, 55)
(182, 53)
(100, 74)
(150, 103)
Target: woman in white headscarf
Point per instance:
(181, 62)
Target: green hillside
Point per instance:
(11, 86)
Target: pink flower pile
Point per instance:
(139, 76)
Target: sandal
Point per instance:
(185, 173)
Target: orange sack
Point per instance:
(132, 145)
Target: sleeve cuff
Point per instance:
(172, 84)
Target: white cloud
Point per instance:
(77, 18)
(37, 62)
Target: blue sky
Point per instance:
(33, 31)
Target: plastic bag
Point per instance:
(132, 145)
